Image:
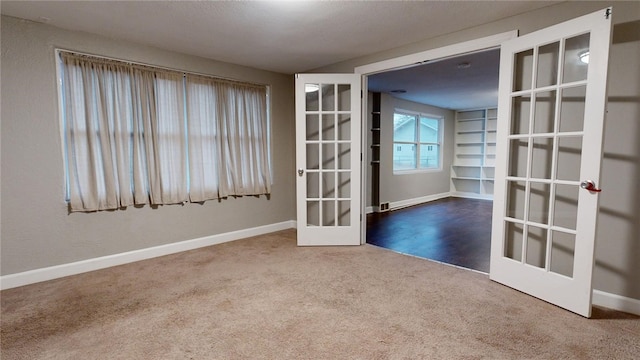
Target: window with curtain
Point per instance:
(135, 134)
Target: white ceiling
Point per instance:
(298, 36)
(463, 82)
(281, 36)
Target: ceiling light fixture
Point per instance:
(464, 65)
(399, 91)
(584, 56)
(309, 88)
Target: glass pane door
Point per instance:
(549, 147)
(328, 131)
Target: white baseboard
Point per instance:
(405, 203)
(395, 205)
(58, 271)
(469, 195)
(600, 298)
(616, 302)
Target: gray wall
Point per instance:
(398, 187)
(618, 238)
(37, 230)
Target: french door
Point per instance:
(551, 108)
(328, 115)
(552, 98)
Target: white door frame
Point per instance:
(423, 57)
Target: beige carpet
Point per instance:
(265, 298)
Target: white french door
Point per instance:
(328, 110)
(551, 109)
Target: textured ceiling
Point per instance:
(281, 36)
(463, 82)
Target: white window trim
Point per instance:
(419, 114)
(61, 123)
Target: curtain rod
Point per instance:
(159, 67)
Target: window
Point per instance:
(135, 134)
(416, 141)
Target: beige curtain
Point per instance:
(243, 128)
(127, 140)
(228, 149)
(124, 134)
(99, 123)
(204, 139)
(166, 144)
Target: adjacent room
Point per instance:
(158, 199)
(446, 110)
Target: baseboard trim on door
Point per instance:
(616, 302)
(395, 205)
(79, 267)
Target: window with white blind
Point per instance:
(136, 134)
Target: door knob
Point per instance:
(300, 172)
(589, 185)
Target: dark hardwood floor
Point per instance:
(451, 230)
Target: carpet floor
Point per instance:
(266, 298)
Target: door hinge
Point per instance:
(361, 158)
(607, 13)
(361, 94)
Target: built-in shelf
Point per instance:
(465, 178)
(473, 171)
(374, 154)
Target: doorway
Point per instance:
(462, 91)
(431, 224)
(527, 235)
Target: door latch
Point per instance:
(590, 186)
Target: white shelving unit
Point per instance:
(473, 168)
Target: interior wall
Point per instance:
(618, 234)
(399, 187)
(617, 268)
(37, 230)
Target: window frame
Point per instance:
(417, 143)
